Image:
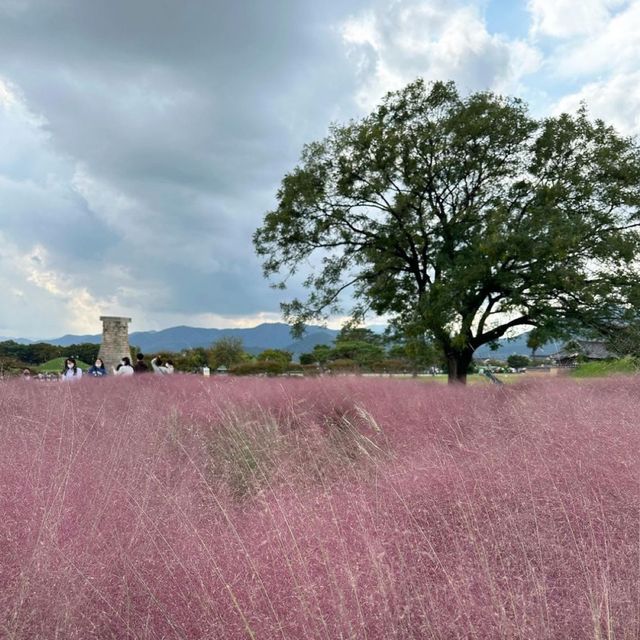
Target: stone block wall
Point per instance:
(115, 340)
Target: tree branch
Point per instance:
(498, 332)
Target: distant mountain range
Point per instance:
(20, 340)
(516, 346)
(275, 335)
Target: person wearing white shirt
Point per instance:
(124, 368)
(71, 370)
(159, 368)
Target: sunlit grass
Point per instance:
(622, 366)
(57, 365)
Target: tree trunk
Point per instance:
(458, 365)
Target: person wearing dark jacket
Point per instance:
(140, 366)
(98, 369)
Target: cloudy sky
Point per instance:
(142, 141)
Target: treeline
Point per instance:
(33, 355)
(355, 349)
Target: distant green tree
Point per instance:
(397, 352)
(190, 360)
(11, 366)
(199, 356)
(87, 352)
(358, 334)
(227, 352)
(343, 365)
(518, 361)
(40, 352)
(11, 349)
(462, 217)
(321, 353)
(275, 355)
(307, 358)
(363, 353)
(36, 353)
(416, 348)
(359, 344)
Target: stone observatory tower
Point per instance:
(115, 341)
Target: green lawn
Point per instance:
(624, 366)
(476, 378)
(56, 365)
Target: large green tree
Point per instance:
(362, 352)
(279, 356)
(461, 218)
(227, 352)
(359, 344)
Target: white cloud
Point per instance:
(615, 47)
(606, 60)
(36, 291)
(7, 97)
(616, 100)
(436, 40)
(568, 18)
(162, 321)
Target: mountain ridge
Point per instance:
(267, 335)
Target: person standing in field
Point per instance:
(71, 370)
(159, 368)
(98, 369)
(141, 366)
(124, 368)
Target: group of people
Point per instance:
(72, 371)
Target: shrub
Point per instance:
(311, 369)
(12, 366)
(391, 365)
(275, 355)
(343, 366)
(294, 367)
(263, 367)
(518, 361)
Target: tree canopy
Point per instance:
(40, 352)
(518, 361)
(461, 218)
(276, 355)
(226, 352)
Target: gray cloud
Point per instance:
(168, 127)
(148, 138)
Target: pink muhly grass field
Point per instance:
(339, 508)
